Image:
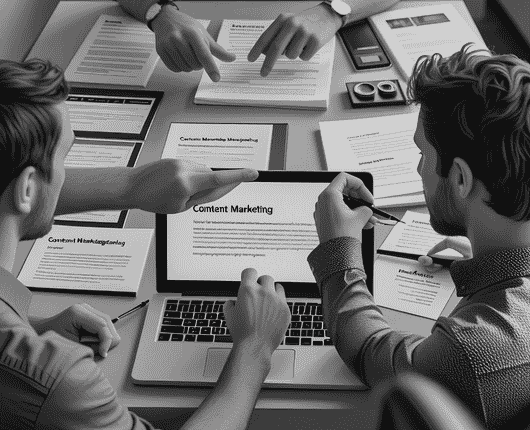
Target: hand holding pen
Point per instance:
(94, 339)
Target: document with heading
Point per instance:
(404, 285)
(88, 260)
(412, 32)
(119, 50)
(220, 145)
(290, 84)
(383, 146)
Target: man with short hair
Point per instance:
(473, 132)
(49, 380)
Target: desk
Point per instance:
(58, 42)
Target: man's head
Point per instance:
(474, 135)
(35, 136)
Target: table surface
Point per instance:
(59, 41)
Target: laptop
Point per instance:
(268, 225)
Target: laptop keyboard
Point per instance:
(203, 321)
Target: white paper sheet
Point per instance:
(220, 145)
(405, 286)
(383, 146)
(290, 84)
(416, 236)
(119, 50)
(425, 30)
(89, 259)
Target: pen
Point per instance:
(445, 262)
(353, 203)
(92, 339)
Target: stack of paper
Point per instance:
(290, 84)
(383, 146)
(412, 32)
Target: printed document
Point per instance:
(412, 32)
(119, 50)
(404, 285)
(290, 84)
(220, 145)
(383, 146)
(92, 260)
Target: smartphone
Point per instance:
(363, 46)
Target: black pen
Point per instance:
(353, 203)
(92, 339)
(445, 262)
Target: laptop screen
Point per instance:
(266, 224)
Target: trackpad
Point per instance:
(282, 363)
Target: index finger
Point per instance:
(264, 40)
(222, 178)
(249, 276)
(280, 43)
(205, 57)
(350, 185)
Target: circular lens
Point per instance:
(386, 89)
(364, 90)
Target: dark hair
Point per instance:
(30, 125)
(476, 107)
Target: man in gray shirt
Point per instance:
(473, 133)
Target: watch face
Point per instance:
(340, 7)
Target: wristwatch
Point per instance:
(155, 9)
(340, 8)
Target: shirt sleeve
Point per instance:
(84, 399)
(364, 8)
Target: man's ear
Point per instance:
(25, 190)
(463, 178)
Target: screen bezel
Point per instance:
(230, 288)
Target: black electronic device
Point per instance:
(363, 46)
(387, 92)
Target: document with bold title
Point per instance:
(88, 260)
(383, 146)
(119, 50)
(412, 32)
(404, 284)
(220, 145)
(291, 83)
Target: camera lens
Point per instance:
(364, 90)
(386, 89)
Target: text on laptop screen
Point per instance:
(265, 225)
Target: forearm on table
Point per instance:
(88, 189)
(232, 401)
(136, 8)
(364, 8)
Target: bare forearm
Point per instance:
(361, 9)
(137, 8)
(230, 404)
(89, 189)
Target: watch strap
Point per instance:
(161, 3)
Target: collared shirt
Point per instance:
(481, 351)
(48, 381)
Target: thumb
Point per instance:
(363, 213)
(221, 53)
(228, 309)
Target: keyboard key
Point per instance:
(190, 338)
(307, 333)
(307, 310)
(223, 324)
(211, 316)
(202, 323)
(327, 342)
(171, 329)
(171, 301)
(219, 302)
(295, 318)
(172, 321)
(200, 316)
(177, 337)
(223, 338)
(296, 325)
(317, 325)
(164, 336)
(195, 308)
(319, 310)
(189, 323)
(171, 314)
(217, 308)
(305, 341)
(205, 330)
(184, 302)
(194, 330)
(207, 302)
(205, 338)
(196, 302)
(306, 324)
(187, 315)
(295, 333)
(292, 341)
(221, 316)
(317, 342)
(218, 330)
(318, 333)
(318, 318)
(182, 308)
(215, 323)
(306, 317)
(171, 307)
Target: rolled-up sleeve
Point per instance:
(84, 399)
